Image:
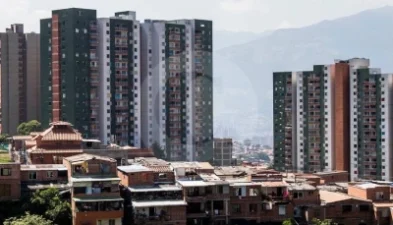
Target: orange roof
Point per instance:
(60, 131)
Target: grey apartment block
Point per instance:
(20, 77)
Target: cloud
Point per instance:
(242, 6)
(15, 8)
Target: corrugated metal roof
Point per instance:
(55, 151)
(86, 157)
(133, 168)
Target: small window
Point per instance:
(5, 172)
(50, 174)
(112, 222)
(282, 210)
(162, 176)
(32, 175)
(346, 208)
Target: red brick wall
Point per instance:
(334, 177)
(370, 193)
(334, 211)
(92, 217)
(13, 181)
(41, 175)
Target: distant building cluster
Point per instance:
(115, 79)
(334, 117)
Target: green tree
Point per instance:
(287, 222)
(316, 221)
(50, 204)
(28, 127)
(158, 151)
(28, 219)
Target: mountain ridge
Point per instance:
(243, 72)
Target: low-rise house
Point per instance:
(147, 200)
(345, 209)
(305, 199)
(95, 194)
(10, 181)
(331, 177)
(379, 195)
(34, 177)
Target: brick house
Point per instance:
(345, 209)
(153, 198)
(10, 181)
(379, 195)
(332, 177)
(39, 176)
(95, 194)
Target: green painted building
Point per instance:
(69, 70)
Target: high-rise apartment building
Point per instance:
(284, 111)
(69, 70)
(20, 78)
(222, 152)
(119, 69)
(177, 101)
(371, 122)
(311, 118)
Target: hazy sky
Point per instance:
(234, 15)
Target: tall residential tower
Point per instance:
(119, 66)
(20, 78)
(311, 118)
(177, 74)
(69, 70)
(371, 123)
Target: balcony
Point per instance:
(86, 205)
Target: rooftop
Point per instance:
(191, 165)
(86, 157)
(158, 188)
(369, 186)
(301, 187)
(43, 167)
(133, 168)
(212, 178)
(194, 183)
(330, 172)
(274, 184)
(60, 131)
(331, 197)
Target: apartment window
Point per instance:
(236, 208)
(282, 210)
(253, 192)
(346, 208)
(364, 208)
(50, 174)
(32, 175)
(253, 208)
(5, 190)
(112, 222)
(5, 172)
